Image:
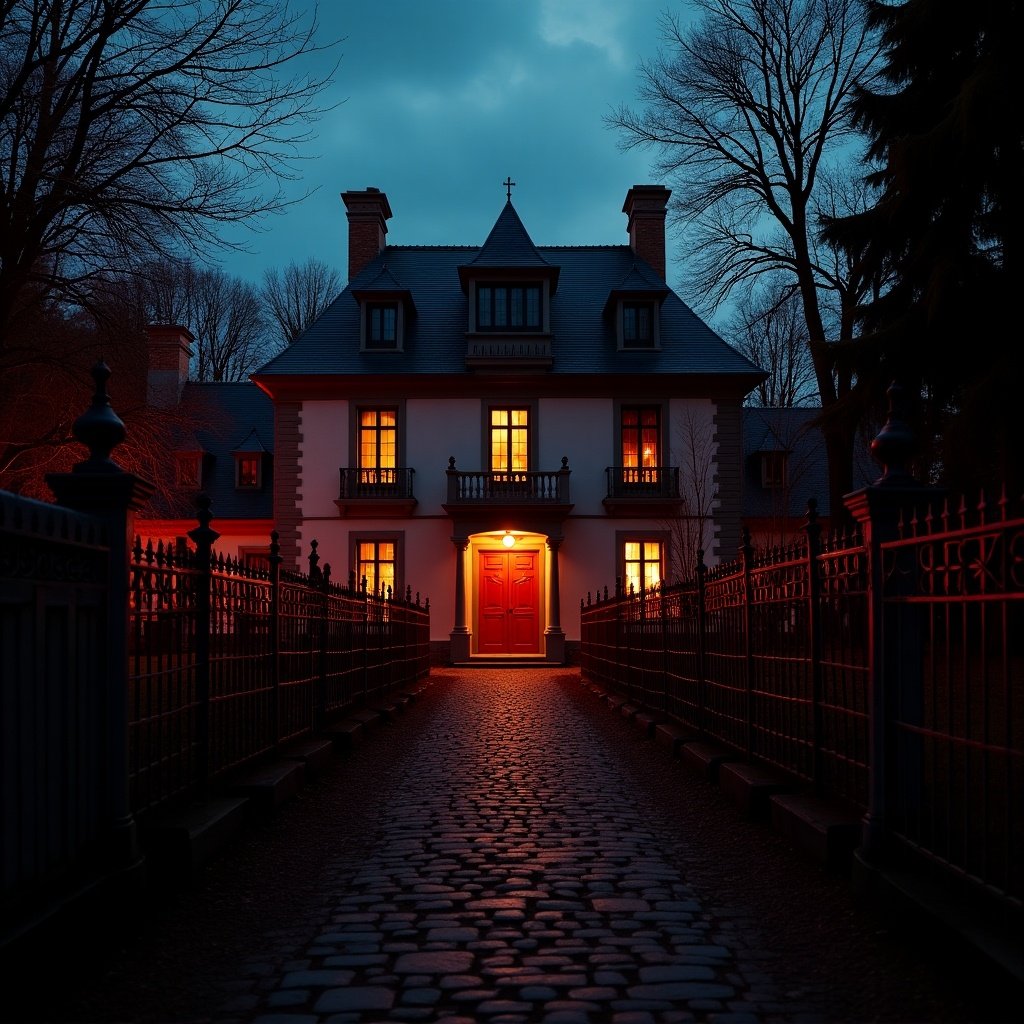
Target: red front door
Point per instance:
(509, 600)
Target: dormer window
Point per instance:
(382, 325)
(638, 325)
(248, 475)
(773, 470)
(188, 470)
(385, 309)
(634, 307)
(508, 307)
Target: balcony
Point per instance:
(508, 351)
(643, 490)
(514, 491)
(376, 493)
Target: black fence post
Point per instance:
(746, 559)
(320, 695)
(664, 651)
(275, 634)
(813, 530)
(203, 537)
(702, 572)
(99, 486)
(879, 509)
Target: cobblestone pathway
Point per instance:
(510, 851)
(516, 876)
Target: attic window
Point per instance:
(638, 325)
(382, 325)
(247, 471)
(188, 469)
(773, 470)
(508, 307)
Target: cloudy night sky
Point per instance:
(439, 101)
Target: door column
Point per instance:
(460, 634)
(554, 636)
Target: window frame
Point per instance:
(650, 343)
(257, 458)
(356, 409)
(367, 343)
(532, 431)
(508, 286)
(659, 537)
(254, 557)
(396, 538)
(644, 475)
(774, 467)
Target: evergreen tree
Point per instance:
(945, 125)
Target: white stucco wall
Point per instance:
(583, 430)
(325, 449)
(436, 431)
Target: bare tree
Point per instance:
(690, 532)
(44, 397)
(296, 296)
(747, 110)
(229, 327)
(768, 328)
(130, 127)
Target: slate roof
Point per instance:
(224, 419)
(583, 338)
(792, 430)
(509, 244)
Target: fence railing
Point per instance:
(227, 662)
(54, 566)
(883, 668)
(740, 656)
(133, 678)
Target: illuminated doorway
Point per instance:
(508, 601)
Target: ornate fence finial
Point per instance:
(895, 442)
(314, 558)
(203, 535)
(99, 428)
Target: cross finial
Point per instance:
(509, 184)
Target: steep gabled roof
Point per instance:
(508, 245)
(251, 444)
(583, 338)
(509, 249)
(384, 282)
(225, 419)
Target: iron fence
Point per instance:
(229, 661)
(954, 610)
(739, 655)
(53, 720)
(882, 668)
(133, 678)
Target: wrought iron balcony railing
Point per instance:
(661, 482)
(376, 483)
(370, 493)
(508, 488)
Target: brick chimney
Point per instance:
(170, 349)
(368, 213)
(645, 207)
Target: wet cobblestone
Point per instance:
(518, 866)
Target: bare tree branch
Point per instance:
(747, 111)
(133, 127)
(295, 297)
